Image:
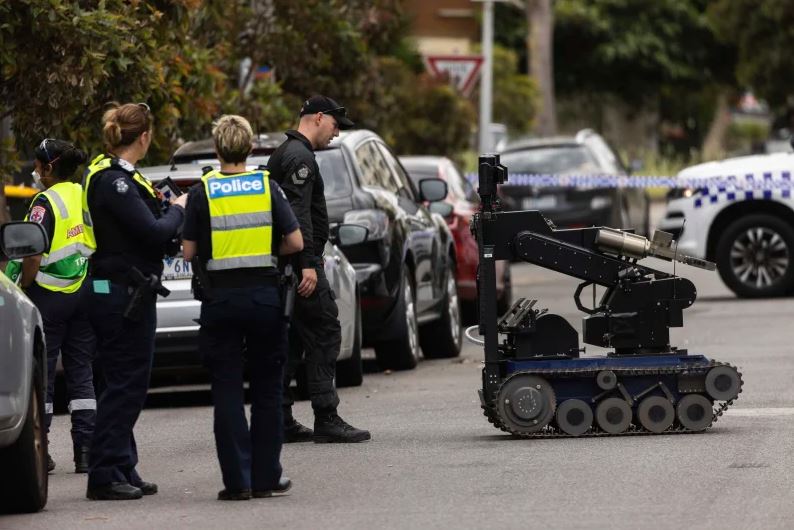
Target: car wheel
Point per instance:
(755, 256)
(442, 338)
(24, 463)
(402, 353)
(350, 372)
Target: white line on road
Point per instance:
(789, 411)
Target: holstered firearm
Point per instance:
(200, 283)
(145, 286)
(287, 287)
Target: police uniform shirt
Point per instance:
(197, 228)
(128, 232)
(294, 167)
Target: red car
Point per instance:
(464, 202)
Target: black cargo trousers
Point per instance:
(315, 336)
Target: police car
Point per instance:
(738, 213)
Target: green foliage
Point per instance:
(515, 95)
(61, 62)
(633, 48)
(763, 32)
(420, 115)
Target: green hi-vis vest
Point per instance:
(64, 267)
(241, 220)
(98, 164)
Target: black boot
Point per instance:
(295, 432)
(115, 491)
(50, 463)
(283, 486)
(81, 458)
(330, 428)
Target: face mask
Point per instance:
(36, 179)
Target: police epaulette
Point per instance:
(206, 169)
(123, 165)
(262, 167)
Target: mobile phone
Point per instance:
(169, 189)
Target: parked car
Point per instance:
(586, 153)
(748, 232)
(176, 339)
(458, 208)
(405, 268)
(23, 382)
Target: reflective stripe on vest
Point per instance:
(64, 267)
(241, 220)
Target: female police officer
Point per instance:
(234, 224)
(123, 212)
(55, 282)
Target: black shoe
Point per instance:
(295, 432)
(284, 485)
(50, 464)
(147, 488)
(81, 459)
(115, 491)
(231, 495)
(333, 429)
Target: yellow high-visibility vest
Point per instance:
(64, 267)
(241, 220)
(98, 164)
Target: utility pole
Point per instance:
(486, 79)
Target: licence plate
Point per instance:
(544, 202)
(176, 269)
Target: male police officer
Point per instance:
(315, 318)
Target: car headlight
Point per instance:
(680, 193)
(375, 221)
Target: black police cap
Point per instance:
(326, 105)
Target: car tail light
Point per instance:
(375, 221)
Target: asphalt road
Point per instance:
(435, 462)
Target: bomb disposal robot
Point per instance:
(535, 384)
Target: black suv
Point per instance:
(406, 267)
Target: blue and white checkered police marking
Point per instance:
(241, 185)
(706, 190)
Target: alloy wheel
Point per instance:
(759, 257)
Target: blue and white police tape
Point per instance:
(777, 180)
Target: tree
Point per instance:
(58, 82)
(540, 20)
(763, 33)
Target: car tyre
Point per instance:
(402, 353)
(442, 339)
(350, 372)
(24, 463)
(755, 256)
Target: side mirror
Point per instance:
(444, 209)
(432, 190)
(347, 235)
(21, 239)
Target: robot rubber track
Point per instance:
(553, 430)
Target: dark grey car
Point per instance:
(585, 153)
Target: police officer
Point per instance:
(238, 222)
(123, 212)
(315, 319)
(56, 282)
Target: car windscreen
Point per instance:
(550, 160)
(334, 171)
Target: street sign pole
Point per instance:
(486, 81)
